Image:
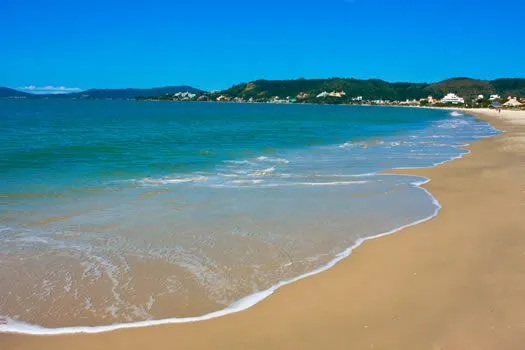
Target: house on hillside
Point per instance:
(223, 98)
(337, 94)
(452, 98)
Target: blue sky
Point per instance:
(215, 44)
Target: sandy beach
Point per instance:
(454, 282)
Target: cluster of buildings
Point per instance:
(450, 98)
(184, 96)
(338, 94)
(454, 99)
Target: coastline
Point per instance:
(347, 290)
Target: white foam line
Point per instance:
(335, 183)
(245, 303)
(467, 152)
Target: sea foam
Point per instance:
(9, 325)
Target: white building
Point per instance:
(494, 97)
(453, 98)
(322, 94)
(337, 94)
(184, 95)
(223, 98)
(410, 103)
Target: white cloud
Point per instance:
(49, 89)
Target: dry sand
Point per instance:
(455, 282)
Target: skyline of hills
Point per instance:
(377, 88)
(264, 89)
(93, 94)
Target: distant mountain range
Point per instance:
(264, 90)
(99, 94)
(11, 93)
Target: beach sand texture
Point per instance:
(454, 282)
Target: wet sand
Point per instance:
(455, 282)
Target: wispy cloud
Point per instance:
(49, 89)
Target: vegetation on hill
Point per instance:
(368, 89)
(375, 89)
(509, 86)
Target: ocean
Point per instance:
(119, 213)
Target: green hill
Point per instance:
(373, 89)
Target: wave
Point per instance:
(333, 183)
(451, 123)
(250, 182)
(351, 144)
(228, 175)
(264, 172)
(173, 180)
(345, 175)
(238, 162)
(273, 160)
(365, 145)
(456, 114)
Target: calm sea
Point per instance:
(118, 211)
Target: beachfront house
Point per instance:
(494, 97)
(512, 102)
(322, 94)
(453, 98)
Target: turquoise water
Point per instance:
(117, 211)
(89, 143)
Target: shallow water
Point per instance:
(117, 211)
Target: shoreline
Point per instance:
(147, 334)
(242, 304)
